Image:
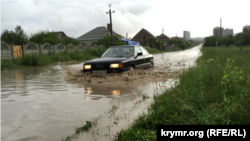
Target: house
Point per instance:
(177, 38)
(61, 35)
(142, 35)
(164, 38)
(92, 36)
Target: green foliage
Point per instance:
(17, 37)
(45, 37)
(211, 41)
(182, 44)
(67, 41)
(85, 127)
(136, 135)
(153, 42)
(241, 39)
(174, 41)
(107, 41)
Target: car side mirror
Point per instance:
(99, 55)
(139, 54)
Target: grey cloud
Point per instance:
(71, 17)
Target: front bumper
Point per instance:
(110, 70)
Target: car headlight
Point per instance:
(87, 66)
(116, 65)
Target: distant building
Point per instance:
(177, 38)
(142, 35)
(224, 32)
(164, 38)
(228, 32)
(92, 36)
(186, 35)
(217, 31)
(247, 27)
(61, 35)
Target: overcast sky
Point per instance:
(77, 17)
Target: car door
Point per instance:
(139, 59)
(146, 59)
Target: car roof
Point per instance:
(124, 46)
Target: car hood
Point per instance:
(107, 60)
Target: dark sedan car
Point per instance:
(119, 59)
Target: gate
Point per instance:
(17, 49)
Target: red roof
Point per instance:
(177, 38)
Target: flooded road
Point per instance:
(40, 104)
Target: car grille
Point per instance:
(100, 66)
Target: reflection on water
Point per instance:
(116, 92)
(19, 80)
(89, 90)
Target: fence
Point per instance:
(10, 51)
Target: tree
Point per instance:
(45, 37)
(211, 41)
(67, 41)
(106, 41)
(20, 36)
(17, 37)
(153, 42)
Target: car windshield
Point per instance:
(120, 51)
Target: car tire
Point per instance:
(151, 65)
(131, 68)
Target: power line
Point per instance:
(79, 5)
(102, 1)
(114, 15)
(89, 3)
(99, 10)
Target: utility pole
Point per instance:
(126, 35)
(162, 33)
(111, 23)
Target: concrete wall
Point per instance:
(6, 50)
(71, 48)
(46, 48)
(31, 48)
(59, 48)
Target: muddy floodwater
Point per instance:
(47, 103)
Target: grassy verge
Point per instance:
(35, 60)
(215, 92)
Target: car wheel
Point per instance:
(131, 68)
(151, 65)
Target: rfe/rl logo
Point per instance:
(163, 133)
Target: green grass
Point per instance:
(215, 92)
(78, 130)
(35, 60)
(84, 128)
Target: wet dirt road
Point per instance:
(40, 104)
